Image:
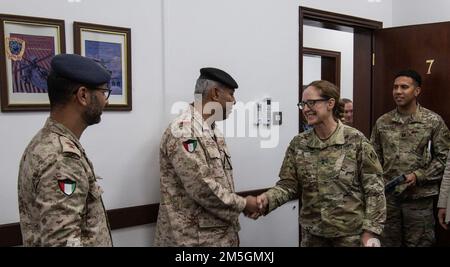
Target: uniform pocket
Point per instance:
(207, 220)
(213, 153)
(214, 158)
(348, 171)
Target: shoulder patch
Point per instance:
(68, 146)
(67, 186)
(190, 145)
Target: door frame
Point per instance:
(363, 58)
(330, 64)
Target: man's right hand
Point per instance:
(441, 217)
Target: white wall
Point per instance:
(255, 40)
(335, 41)
(312, 69)
(139, 236)
(410, 12)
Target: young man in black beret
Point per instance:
(60, 201)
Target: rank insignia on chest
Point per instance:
(190, 145)
(67, 186)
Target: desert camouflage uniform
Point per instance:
(444, 199)
(198, 205)
(48, 216)
(413, 144)
(339, 182)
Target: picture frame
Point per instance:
(27, 47)
(111, 47)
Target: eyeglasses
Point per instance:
(106, 91)
(310, 103)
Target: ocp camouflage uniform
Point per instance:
(339, 182)
(198, 204)
(60, 202)
(444, 193)
(414, 144)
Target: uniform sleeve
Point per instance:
(445, 186)
(286, 188)
(376, 143)
(371, 174)
(439, 149)
(197, 177)
(61, 196)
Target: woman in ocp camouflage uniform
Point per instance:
(334, 171)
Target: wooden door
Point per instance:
(426, 49)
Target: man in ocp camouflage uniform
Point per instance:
(60, 201)
(412, 141)
(199, 206)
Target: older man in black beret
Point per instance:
(199, 206)
(60, 201)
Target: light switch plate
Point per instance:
(277, 118)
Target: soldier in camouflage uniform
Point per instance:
(444, 199)
(60, 201)
(412, 141)
(335, 173)
(199, 206)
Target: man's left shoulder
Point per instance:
(68, 147)
(430, 117)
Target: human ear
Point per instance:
(417, 91)
(215, 94)
(81, 96)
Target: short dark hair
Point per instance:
(60, 89)
(411, 74)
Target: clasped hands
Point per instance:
(256, 206)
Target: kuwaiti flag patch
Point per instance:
(67, 186)
(190, 145)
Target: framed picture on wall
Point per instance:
(27, 47)
(111, 47)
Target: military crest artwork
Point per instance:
(190, 145)
(15, 48)
(27, 50)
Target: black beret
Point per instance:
(80, 69)
(218, 76)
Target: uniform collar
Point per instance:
(62, 130)
(415, 117)
(337, 138)
(200, 126)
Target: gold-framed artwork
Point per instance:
(111, 47)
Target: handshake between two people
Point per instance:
(256, 206)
